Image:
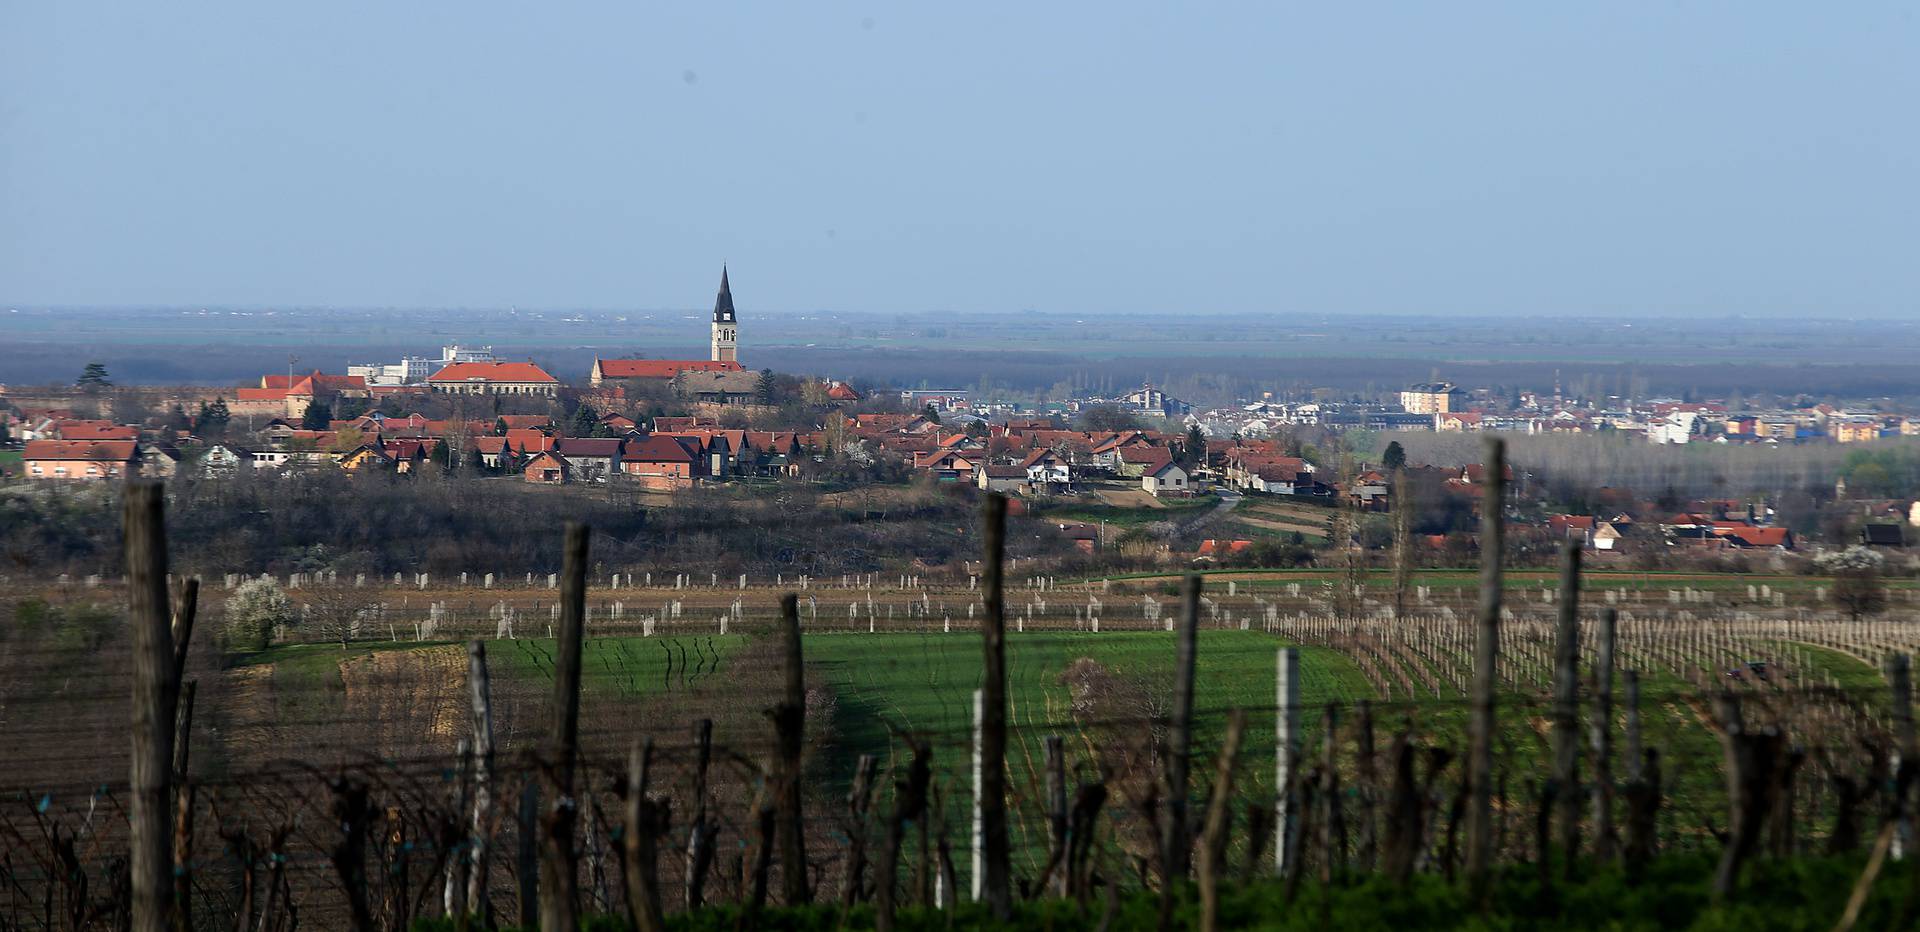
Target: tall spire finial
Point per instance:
(723, 305)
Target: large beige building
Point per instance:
(1429, 398)
(494, 378)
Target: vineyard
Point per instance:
(537, 751)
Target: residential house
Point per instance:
(660, 462)
(408, 456)
(1573, 527)
(157, 460)
(223, 459)
(774, 453)
(947, 465)
(1164, 477)
(590, 459)
(367, 457)
(993, 478)
(1085, 537)
(78, 429)
(1048, 471)
(1370, 491)
(1609, 536)
(547, 467)
(80, 459)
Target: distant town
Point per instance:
(669, 425)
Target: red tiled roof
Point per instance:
(841, 391)
(1758, 536)
(95, 430)
(492, 372)
(656, 449)
(529, 441)
(96, 450)
(1211, 547)
(598, 447)
(661, 368)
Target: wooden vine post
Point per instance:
(559, 874)
(1485, 677)
(1566, 708)
(790, 728)
(1601, 729)
(160, 639)
(996, 868)
(1174, 845)
(480, 705)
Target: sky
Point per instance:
(1462, 158)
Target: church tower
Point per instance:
(725, 331)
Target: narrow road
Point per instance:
(1228, 500)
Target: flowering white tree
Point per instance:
(253, 611)
(1856, 579)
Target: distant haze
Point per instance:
(1444, 158)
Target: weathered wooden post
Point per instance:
(859, 805)
(1485, 677)
(1286, 758)
(183, 809)
(160, 641)
(909, 805)
(1173, 839)
(1630, 681)
(1601, 729)
(527, 854)
(480, 705)
(645, 820)
(1213, 835)
(790, 725)
(996, 868)
(1056, 764)
(1566, 710)
(1368, 790)
(1899, 672)
(700, 840)
(559, 876)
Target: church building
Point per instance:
(725, 355)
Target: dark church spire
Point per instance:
(723, 305)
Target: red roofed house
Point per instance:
(549, 467)
(1756, 537)
(613, 371)
(494, 378)
(593, 458)
(1164, 477)
(1048, 471)
(1221, 548)
(661, 463)
(79, 459)
(947, 465)
(93, 430)
(1573, 527)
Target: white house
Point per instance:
(1164, 477)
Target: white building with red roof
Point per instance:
(494, 378)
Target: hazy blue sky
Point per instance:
(1524, 158)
